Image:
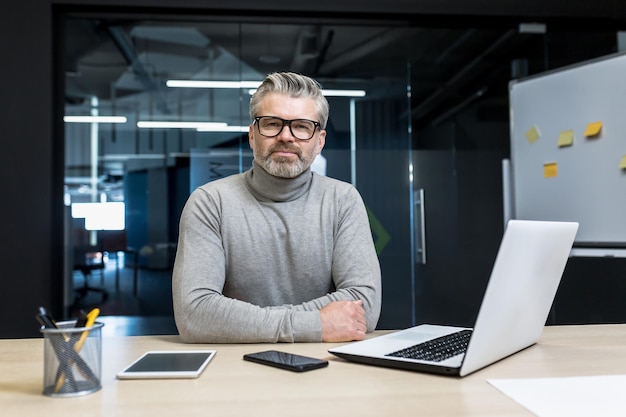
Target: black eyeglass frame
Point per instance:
(288, 123)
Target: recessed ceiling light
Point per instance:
(94, 119)
(252, 85)
(150, 124)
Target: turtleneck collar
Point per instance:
(267, 187)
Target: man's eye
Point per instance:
(302, 126)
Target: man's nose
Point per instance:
(285, 134)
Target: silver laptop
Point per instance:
(513, 313)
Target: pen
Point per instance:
(81, 321)
(45, 319)
(91, 319)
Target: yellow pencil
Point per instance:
(91, 319)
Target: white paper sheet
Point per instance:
(570, 396)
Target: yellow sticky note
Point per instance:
(593, 129)
(566, 138)
(550, 170)
(532, 135)
(622, 164)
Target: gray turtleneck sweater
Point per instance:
(258, 256)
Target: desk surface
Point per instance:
(232, 387)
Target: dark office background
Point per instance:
(31, 175)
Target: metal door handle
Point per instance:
(420, 227)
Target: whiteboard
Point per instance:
(559, 173)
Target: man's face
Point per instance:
(284, 155)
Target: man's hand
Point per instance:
(343, 321)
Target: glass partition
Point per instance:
(419, 123)
(156, 108)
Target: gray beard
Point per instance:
(283, 168)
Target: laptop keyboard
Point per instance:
(438, 349)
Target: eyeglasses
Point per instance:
(270, 126)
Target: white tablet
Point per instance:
(168, 364)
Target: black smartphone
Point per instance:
(284, 360)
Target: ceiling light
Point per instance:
(344, 93)
(251, 85)
(147, 124)
(224, 129)
(94, 119)
(212, 84)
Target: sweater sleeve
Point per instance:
(202, 313)
(355, 266)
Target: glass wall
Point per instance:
(419, 123)
(157, 108)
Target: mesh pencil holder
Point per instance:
(72, 359)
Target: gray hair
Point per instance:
(294, 85)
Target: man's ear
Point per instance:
(251, 136)
(321, 142)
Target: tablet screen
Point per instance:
(168, 364)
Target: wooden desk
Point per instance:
(232, 387)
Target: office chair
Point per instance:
(88, 260)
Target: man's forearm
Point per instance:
(218, 319)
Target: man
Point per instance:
(277, 253)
